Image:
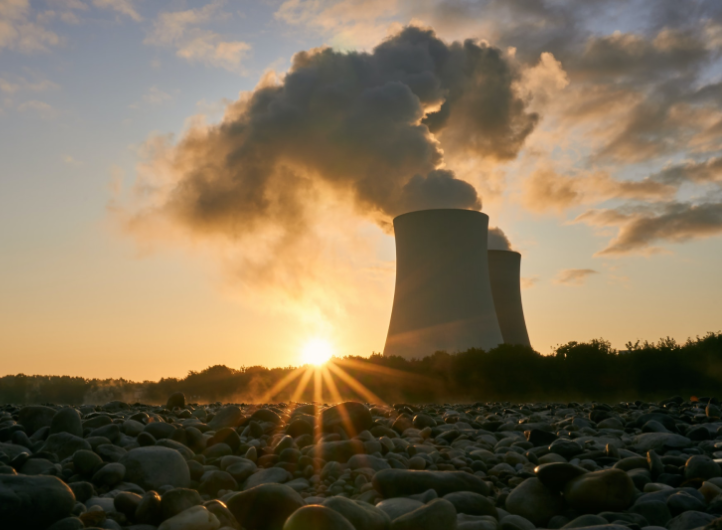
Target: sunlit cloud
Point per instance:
(182, 31)
(574, 276)
(21, 30)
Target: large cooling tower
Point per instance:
(504, 268)
(443, 299)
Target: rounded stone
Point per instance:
(534, 501)
(265, 507)
(176, 400)
(153, 467)
(148, 510)
(399, 482)
(703, 467)
(598, 491)
(35, 417)
(555, 475)
(472, 503)
(195, 518)
(351, 416)
(228, 416)
(435, 515)
(178, 500)
(317, 517)
(67, 420)
(33, 501)
(109, 475)
(360, 514)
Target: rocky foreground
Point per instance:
(483, 466)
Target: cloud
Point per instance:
(546, 190)
(623, 88)
(498, 240)
(21, 84)
(124, 7)
(345, 129)
(573, 276)
(529, 282)
(709, 170)
(348, 23)
(19, 31)
(639, 229)
(179, 30)
(40, 107)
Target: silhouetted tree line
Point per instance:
(576, 371)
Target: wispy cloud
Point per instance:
(182, 30)
(124, 7)
(21, 30)
(642, 226)
(43, 109)
(154, 96)
(573, 276)
(529, 282)
(16, 84)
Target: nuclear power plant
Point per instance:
(452, 293)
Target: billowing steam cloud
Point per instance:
(498, 240)
(367, 127)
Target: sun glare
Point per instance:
(317, 352)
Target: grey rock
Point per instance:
(159, 430)
(699, 466)
(472, 503)
(586, 520)
(398, 482)
(317, 517)
(690, 520)
(534, 501)
(350, 416)
(195, 518)
(660, 441)
(271, 475)
(515, 522)
(655, 512)
(216, 481)
(265, 507)
(395, 508)
(86, 462)
(33, 502)
(39, 466)
(437, 514)
(178, 500)
(374, 462)
(65, 444)
(12, 450)
(67, 420)
(109, 475)
(361, 515)
(682, 501)
(68, 523)
(34, 417)
(82, 490)
(605, 490)
(176, 399)
(555, 475)
(153, 467)
(228, 416)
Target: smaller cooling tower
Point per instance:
(504, 269)
(443, 299)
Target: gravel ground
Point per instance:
(480, 466)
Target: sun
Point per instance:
(316, 351)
